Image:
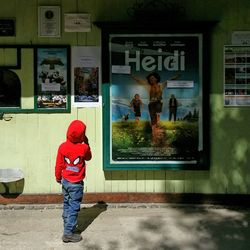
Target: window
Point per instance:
(10, 89)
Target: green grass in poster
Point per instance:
(180, 137)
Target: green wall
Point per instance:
(30, 141)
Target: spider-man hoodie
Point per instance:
(72, 154)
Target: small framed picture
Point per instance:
(52, 76)
(49, 21)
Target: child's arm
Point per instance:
(88, 154)
(86, 140)
(142, 82)
(58, 167)
(139, 80)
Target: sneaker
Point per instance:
(72, 238)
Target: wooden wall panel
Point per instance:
(30, 141)
(26, 21)
(26, 75)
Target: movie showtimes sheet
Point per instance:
(155, 122)
(236, 75)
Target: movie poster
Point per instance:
(155, 98)
(52, 75)
(86, 61)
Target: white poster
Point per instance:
(86, 62)
(241, 38)
(236, 75)
(77, 23)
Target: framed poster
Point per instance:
(52, 74)
(86, 62)
(49, 21)
(154, 100)
(236, 75)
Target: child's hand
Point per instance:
(86, 140)
(59, 181)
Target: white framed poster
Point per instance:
(236, 75)
(49, 21)
(85, 73)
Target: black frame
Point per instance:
(109, 28)
(18, 66)
(53, 50)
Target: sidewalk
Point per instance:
(127, 226)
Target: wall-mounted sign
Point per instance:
(236, 75)
(7, 27)
(241, 38)
(77, 23)
(49, 21)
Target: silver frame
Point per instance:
(47, 27)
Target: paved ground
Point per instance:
(128, 226)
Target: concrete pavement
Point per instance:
(127, 226)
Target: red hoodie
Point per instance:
(72, 154)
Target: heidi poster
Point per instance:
(155, 102)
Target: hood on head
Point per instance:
(76, 131)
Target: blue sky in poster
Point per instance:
(123, 86)
(52, 54)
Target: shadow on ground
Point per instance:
(197, 229)
(181, 228)
(87, 215)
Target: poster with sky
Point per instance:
(155, 98)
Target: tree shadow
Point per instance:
(194, 228)
(88, 214)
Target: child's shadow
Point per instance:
(87, 215)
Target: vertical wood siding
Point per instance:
(30, 141)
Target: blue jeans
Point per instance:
(72, 194)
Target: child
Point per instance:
(70, 172)
(136, 104)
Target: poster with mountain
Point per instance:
(156, 92)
